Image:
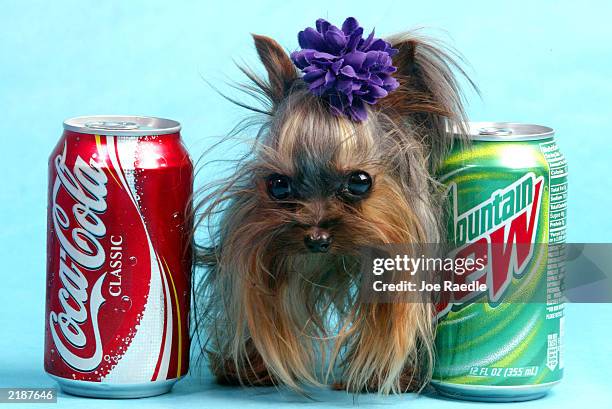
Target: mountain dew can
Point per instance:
(507, 193)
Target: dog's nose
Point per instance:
(318, 240)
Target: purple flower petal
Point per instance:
(350, 25)
(336, 66)
(364, 76)
(309, 38)
(330, 79)
(379, 45)
(298, 59)
(355, 59)
(319, 82)
(313, 75)
(345, 86)
(375, 80)
(322, 25)
(392, 51)
(365, 44)
(354, 40)
(323, 55)
(390, 83)
(371, 58)
(377, 92)
(335, 39)
(348, 71)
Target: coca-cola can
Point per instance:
(118, 257)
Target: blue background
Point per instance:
(542, 62)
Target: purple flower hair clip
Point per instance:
(345, 69)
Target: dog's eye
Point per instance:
(279, 186)
(359, 183)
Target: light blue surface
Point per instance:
(586, 384)
(535, 61)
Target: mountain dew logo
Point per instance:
(501, 231)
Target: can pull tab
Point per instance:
(112, 125)
(495, 131)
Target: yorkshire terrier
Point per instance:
(342, 160)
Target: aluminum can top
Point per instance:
(122, 125)
(507, 131)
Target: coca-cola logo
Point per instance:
(80, 249)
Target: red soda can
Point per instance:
(118, 257)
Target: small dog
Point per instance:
(329, 173)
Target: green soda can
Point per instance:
(507, 204)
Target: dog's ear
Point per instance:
(281, 71)
(428, 97)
